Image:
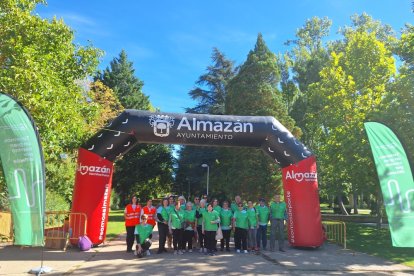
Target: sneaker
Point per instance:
(148, 253)
(190, 250)
(212, 254)
(205, 250)
(281, 250)
(238, 251)
(180, 252)
(135, 253)
(201, 250)
(221, 249)
(175, 252)
(160, 251)
(245, 252)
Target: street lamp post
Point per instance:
(208, 173)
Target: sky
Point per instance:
(170, 42)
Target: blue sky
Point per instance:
(170, 42)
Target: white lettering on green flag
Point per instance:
(22, 162)
(396, 182)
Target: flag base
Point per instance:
(40, 270)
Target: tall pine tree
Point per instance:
(254, 91)
(147, 169)
(210, 94)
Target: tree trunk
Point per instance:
(355, 201)
(379, 209)
(342, 206)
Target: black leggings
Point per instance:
(130, 237)
(201, 238)
(240, 238)
(188, 239)
(177, 238)
(162, 234)
(210, 240)
(145, 245)
(225, 239)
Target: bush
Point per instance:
(56, 202)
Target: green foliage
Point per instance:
(254, 91)
(212, 101)
(210, 95)
(55, 202)
(121, 79)
(41, 67)
(151, 164)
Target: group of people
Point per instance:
(182, 224)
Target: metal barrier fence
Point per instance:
(6, 229)
(335, 231)
(63, 227)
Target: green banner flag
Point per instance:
(396, 182)
(22, 160)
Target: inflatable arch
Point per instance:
(95, 162)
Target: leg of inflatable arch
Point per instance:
(302, 203)
(91, 194)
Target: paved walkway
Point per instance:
(111, 259)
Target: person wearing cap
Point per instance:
(143, 236)
(240, 227)
(226, 216)
(171, 206)
(263, 213)
(277, 219)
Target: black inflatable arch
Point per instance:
(134, 126)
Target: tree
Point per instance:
(352, 88)
(307, 58)
(121, 79)
(254, 91)
(40, 66)
(210, 95)
(147, 169)
(211, 90)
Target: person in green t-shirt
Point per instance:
(163, 216)
(253, 220)
(264, 213)
(176, 228)
(216, 206)
(240, 227)
(226, 216)
(277, 219)
(211, 219)
(200, 210)
(190, 227)
(235, 205)
(143, 236)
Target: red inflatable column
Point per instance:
(302, 203)
(91, 194)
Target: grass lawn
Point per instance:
(375, 242)
(116, 224)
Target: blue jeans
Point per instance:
(262, 236)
